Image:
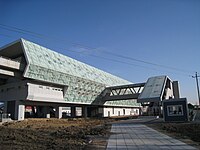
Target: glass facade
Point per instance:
(84, 82)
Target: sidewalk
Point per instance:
(130, 136)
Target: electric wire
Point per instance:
(109, 59)
(41, 36)
(118, 61)
(114, 60)
(131, 64)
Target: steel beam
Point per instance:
(123, 92)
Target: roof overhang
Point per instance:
(12, 50)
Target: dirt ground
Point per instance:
(75, 134)
(54, 134)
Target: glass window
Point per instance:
(175, 110)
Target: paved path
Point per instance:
(130, 136)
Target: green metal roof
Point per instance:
(84, 82)
(45, 58)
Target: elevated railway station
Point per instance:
(44, 83)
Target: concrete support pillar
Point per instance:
(33, 110)
(19, 111)
(58, 112)
(101, 111)
(39, 111)
(46, 111)
(73, 111)
(176, 93)
(84, 111)
(5, 107)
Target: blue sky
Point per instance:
(103, 33)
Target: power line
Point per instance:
(96, 56)
(114, 60)
(38, 35)
(127, 63)
(31, 33)
(5, 35)
(135, 65)
(146, 62)
(137, 60)
(15, 29)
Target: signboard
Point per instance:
(175, 110)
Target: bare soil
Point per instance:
(78, 134)
(186, 132)
(54, 134)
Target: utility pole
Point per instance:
(196, 77)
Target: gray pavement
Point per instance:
(128, 136)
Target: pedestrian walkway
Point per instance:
(127, 136)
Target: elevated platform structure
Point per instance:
(122, 92)
(32, 75)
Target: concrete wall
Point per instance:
(8, 63)
(13, 91)
(30, 91)
(15, 108)
(176, 89)
(168, 90)
(38, 92)
(17, 95)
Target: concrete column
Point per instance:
(19, 111)
(58, 112)
(176, 93)
(33, 110)
(101, 111)
(84, 111)
(73, 111)
(46, 111)
(5, 107)
(39, 111)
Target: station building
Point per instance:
(44, 83)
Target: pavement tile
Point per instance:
(121, 146)
(139, 136)
(132, 147)
(164, 147)
(111, 146)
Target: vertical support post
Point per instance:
(73, 111)
(101, 111)
(84, 111)
(176, 92)
(46, 111)
(5, 110)
(196, 77)
(58, 112)
(19, 111)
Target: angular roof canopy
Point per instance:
(43, 60)
(84, 83)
